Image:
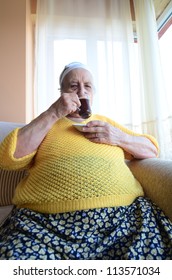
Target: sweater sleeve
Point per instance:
(7, 150)
(150, 137)
(130, 132)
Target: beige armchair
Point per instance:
(155, 175)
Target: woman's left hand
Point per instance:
(104, 133)
(139, 147)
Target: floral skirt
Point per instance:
(137, 232)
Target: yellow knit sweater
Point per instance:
(68, 172)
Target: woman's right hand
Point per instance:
(31, 135)
(67, 104)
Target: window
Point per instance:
(66, 51)
(111, 70)
(165, 44)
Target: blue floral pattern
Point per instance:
(137, 232)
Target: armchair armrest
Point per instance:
(155, 176)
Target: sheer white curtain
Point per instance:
(156, 111)
(96, 32)
(100, 34)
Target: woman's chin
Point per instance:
(74, 115)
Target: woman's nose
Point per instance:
(81, 91)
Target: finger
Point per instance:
(94, 135)
(76, 100)
(96, 123)
(100, 140)
(71, 98)
(90, 135)
(74, 107)
(93, 129)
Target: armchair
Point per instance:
(155, 175)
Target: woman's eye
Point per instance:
(73, 86)
(88, 86)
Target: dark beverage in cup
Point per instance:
(85, 109)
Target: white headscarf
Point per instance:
(69, 67)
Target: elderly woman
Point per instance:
(80, 200)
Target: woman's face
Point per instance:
(79, 81)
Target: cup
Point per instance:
(85, 108)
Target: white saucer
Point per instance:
(79, 126)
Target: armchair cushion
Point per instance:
(8, 182)
(155, 176)
(8, 179)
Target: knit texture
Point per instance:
(69, 172)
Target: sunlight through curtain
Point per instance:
(100, 34)
(156, 112)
